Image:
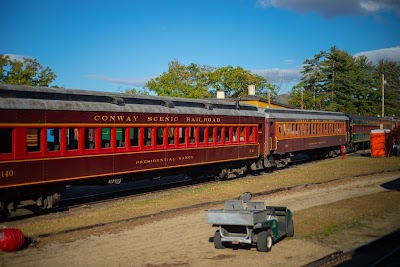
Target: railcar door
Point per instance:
(272, 136)
(262, 138)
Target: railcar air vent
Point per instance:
(117, 101)
(168, 104)
(208, 106)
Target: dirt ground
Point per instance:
(184, 240)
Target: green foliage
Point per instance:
(134, 91)
(336, 81)
(25, 72)
(181, 81)
(235, 81)
(196, 81)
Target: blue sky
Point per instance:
(115, 45)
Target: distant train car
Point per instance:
(316, 133)
(389, 123)
(54, 137)
(360, 128)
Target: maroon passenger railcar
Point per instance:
(316, 133)
(53, 137)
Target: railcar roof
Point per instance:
(363, 118)
(43, 98)
(300, 114)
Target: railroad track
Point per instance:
(384, 251)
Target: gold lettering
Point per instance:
(96, 118)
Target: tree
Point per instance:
(25, 72)
(181, 81)
(235, 81)
(196, 81)
(365, 92)
(337, 81)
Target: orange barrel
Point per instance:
(11, 239)
(378, 148)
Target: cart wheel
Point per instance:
(217, 241)
(264, 241)
(290, 229)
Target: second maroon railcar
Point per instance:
(316, 133)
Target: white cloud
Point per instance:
(390, 54)
(140, 82)
(332, 8)
(281, 76)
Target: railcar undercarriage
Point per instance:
(44, 198)
(37, 199)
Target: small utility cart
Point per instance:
(249, 222)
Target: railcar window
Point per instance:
(220, 133)
(53, 139)
(182, 135)
(33, 137)
(242, 134)
(236, 134)
(201, 134)
(192, 135)
(160, 136)
(211, 134)
(120, 137)
(134, 136)
(90, 138)
(228, 134)
(6, 140)
(72, 138)
(171, 135)
(252, 134)
(105, 137)
(148, 136)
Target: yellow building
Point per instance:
(261, 102)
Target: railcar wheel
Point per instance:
(222, 175)
(264, 241)
(290, 228)
(217, 241)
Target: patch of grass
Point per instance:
(325, 220)
(334, 228)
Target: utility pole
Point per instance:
(383, 99)
(383, 95)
